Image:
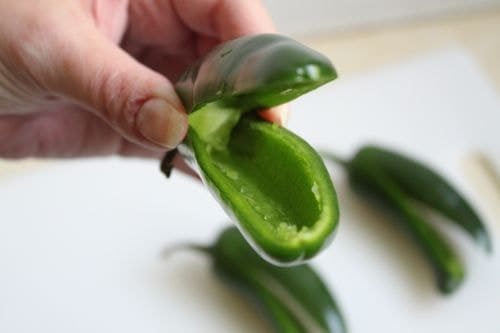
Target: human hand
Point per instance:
(93, 77)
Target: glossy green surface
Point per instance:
(254, 71)
(294, 298)
(398, 183)
(271, 182)
(448, 269)
(428, 187)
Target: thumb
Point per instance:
(137, 102)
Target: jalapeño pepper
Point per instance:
(269, 181)
(295, 299)
(398, 183)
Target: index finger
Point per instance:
(227, 19)
(224, 19)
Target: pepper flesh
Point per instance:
(271, 182)
(396, 182)
(295, 299)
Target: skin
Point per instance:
(94, 77)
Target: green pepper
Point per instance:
(295, 299)
(398, 183)
(271, 182)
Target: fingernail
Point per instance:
(283, 114)
(159, 122)
(277, 114)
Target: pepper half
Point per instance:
(295, 299)
(397, 183)
(270, 182)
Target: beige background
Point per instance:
(299, 17)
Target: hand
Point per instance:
(93, 77)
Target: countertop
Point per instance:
(364, 49)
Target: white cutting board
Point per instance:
(80, 240)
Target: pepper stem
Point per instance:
(167, 163)
(334, 158)
(170, 250)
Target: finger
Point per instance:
(81, 64)
(169, 25)
(204, 44)
(171, 67)
(224, 19)
(47, 134)
(63, 133)
(156, 24)
(278, 115)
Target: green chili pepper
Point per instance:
(293, 298)
(271, 182)
(397, 182)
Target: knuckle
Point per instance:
(117, 97)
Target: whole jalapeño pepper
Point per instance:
(397, 183)
(294, 299)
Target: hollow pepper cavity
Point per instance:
(398, 183)
(270, 182)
